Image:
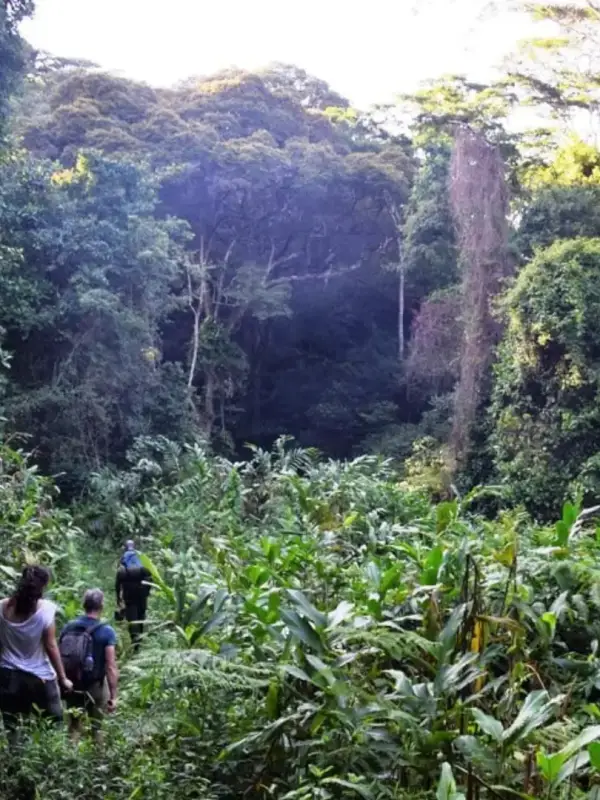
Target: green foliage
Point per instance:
(88, 271)
(319, 630)
(12, 50)
(545, 398)
(429, 239)
(285, 202)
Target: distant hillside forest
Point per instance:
(245, 255)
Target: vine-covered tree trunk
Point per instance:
(480, 206)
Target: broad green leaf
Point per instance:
(389, 578)
(446, 789)
(536, 710)
(586, 736)
(403, 685)
(431, 567)
(489, 725)
(296, 672)
(373, 573)
(341, 613)
(560, 605)
(306, 607)
(549, 766)
(594, 751)
(302, 629)
(562, 533)
(157, 578)
(570, 513)
(571, 766)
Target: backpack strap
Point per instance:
(95, 627)
(79, 626)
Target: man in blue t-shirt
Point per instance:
(99, 695)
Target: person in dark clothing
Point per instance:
(98, 694)
(132, 588)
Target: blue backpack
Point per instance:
(130, 559)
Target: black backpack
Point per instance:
(76, 646)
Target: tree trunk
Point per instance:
(195, 346)
(401, 301)
(209, 403)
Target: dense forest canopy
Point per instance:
(245, 255)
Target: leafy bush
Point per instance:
(318, 630)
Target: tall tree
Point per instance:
(12, 48)
(480, 204)
(561, 73)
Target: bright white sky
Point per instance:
(368, 51)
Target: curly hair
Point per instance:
(30, 588)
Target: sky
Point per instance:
(367, 51)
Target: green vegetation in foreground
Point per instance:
(321, 631)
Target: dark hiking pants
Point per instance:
(21, 693)
(136, 604)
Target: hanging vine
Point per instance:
(480, 207)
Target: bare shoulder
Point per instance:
(47, 609)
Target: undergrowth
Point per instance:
(319, 630)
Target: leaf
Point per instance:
(301, 629)
(214, 622)
(296, 672)
(446, 789)
(220, 597)
(389, 578)
(572, 765)
(338, 615)
(272, 702)
(445, 515)
(302, 603)
(403, 685)
(594, 751)
(562, 533)
(549, 766)
(350, 519)
(489, 725)
(560, 605)
(505, 622)
(586, 736)
(355, 787)
(373, 573)
(549, 619)
(570, 513)
(157, 578)
(536, 710)
(431, 567)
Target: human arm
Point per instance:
(51, 647)
(112, 675)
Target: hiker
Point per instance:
(87, 648)
(132, 590)
(130, 557)
(29, 657)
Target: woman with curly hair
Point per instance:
(29, 657)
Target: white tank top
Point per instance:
(21, 643)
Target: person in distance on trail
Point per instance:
(29, 657)
(130, 557)
(132, 589)
(87, 648)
